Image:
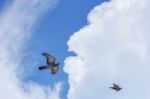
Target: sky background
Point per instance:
(52, 34)
(97, 42)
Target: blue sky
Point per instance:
(108, 43)
(52, 33)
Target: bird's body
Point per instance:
(116, 87)
(54, 67)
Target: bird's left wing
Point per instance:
(50, 58)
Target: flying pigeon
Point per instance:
(51, 63)
(116, 87)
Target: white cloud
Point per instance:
(16, 25)
(112, 47)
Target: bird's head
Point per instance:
(57, 63)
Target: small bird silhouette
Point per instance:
(51, 63)
(116, 87)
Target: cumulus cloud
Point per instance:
(112, 48)
(16, 25)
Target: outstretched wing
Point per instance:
(50, 59)
(116, 86)
(54, 69)
(44, 67)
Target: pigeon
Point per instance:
(51, 63)
(116, 87)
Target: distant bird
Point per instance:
(51, 63)
(116, 87)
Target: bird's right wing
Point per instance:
(44, 67)
(116, 86)
(54, 69)
(50, 58)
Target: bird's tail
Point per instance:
(112, 87)
(44, 67)
(41, 68)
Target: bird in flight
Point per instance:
(51, 63)
(116, 87)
